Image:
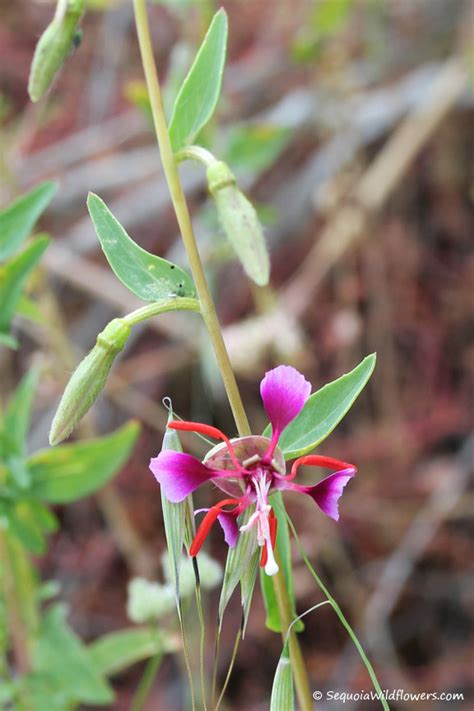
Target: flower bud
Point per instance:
(88, 380)
(147, 601)
(240, 222)
(53, 47)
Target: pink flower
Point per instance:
(248, 469)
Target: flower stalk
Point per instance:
(208, 309)
(178, 198)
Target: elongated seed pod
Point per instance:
(240, 222)
(88, 380)
(53, 48)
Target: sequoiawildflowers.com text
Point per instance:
(388, 695)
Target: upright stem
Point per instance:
(300, 676)
(184, 220)
(208, 309)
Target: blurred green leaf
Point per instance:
(282, 689)
(59, 654)
(329, 16)
(200, 91)
(8, 340)
(28, 309)
(71, 471)
(23, 524)
(324, 410)
(149, 277)
(255, 147)
(273, 621)
(118, 650)
(13, 276)
(18, 219)
(17, 414)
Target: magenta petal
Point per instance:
(229, 525)
(284, 391)
(179, 474)
(325, 493)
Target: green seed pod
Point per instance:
(240, 222)
(53, 48)
(88, 380)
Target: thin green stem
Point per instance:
(202, 155)
(341, 617)
(146, 682)
(238, 637)
(303, 690)
(170, 168)
(177, 303)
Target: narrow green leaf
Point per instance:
(28, 309)
(18, 219)
(13, 276)
(247, 586)
(149, 277)
(6, 339)
(200, 91)
(118, 650)
(283, 546)
(174, 518)
(239, 559)
(324, 410)
(17, 414)
(23, 525)
(71, 471)
(61, 654)
(283, 698)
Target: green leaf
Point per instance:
(60, 654)
(17, 414)
(13, 276)
(282, 689)
(149, 277)
(174, 517)
(28, 309)
(273, 621)
(18, 219)
(255, 147)
(239, 559)
(324, 410)
(118, 650)
(23, 524)
(200, 91)
(247, 586)
(71, 471)
(9, 341)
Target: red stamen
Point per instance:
(210, 432)
(206, 525)
(317, 461)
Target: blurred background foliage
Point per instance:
(348, 122)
